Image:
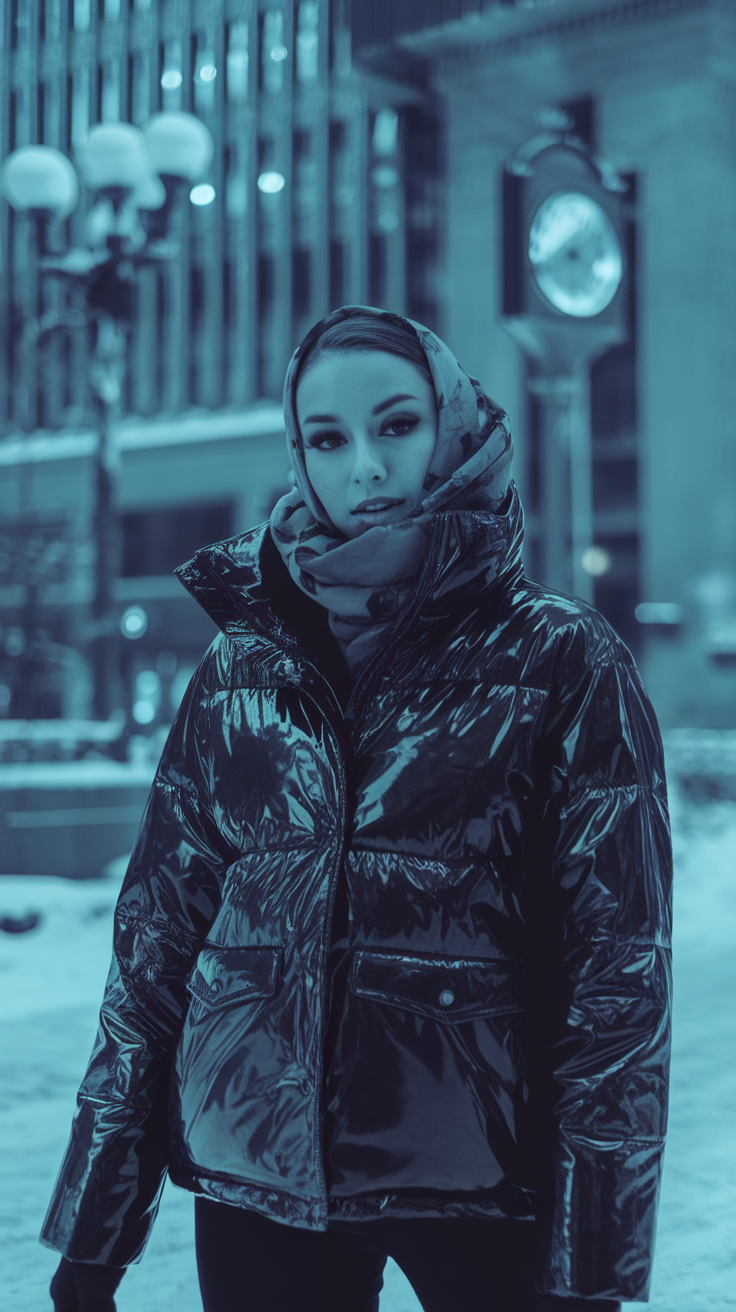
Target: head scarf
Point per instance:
(365, 583)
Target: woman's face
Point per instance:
(368, 421)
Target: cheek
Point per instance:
(313, 470)
(423, 457)
(324, 478)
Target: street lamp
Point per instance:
(40, 178)
(180, 145)
(139, 180)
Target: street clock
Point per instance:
(575, 254)
(566, 301)
(565, 268)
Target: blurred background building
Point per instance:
(369, 154)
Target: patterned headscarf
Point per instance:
(366, 582)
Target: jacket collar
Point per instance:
(243, 584)
(227, 580)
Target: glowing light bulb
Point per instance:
(203, 194)
(596, 561)
(271, 182)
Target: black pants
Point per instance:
(247, 1263)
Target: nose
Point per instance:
(368, 466)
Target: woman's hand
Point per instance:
(84, 1286)
(556, 1303)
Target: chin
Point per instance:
(355, 529)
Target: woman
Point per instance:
(391, 969)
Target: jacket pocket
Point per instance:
(226, 975)
(448, 989)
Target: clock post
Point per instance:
(565, 303)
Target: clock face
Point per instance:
(575, 254)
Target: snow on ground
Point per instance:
(51, 979)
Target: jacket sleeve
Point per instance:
(604, 886)
(110, 1183)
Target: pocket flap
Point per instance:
(225, 975)
(448, 989)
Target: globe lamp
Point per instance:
(40, 178)
(181, 145)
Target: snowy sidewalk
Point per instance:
(52, 979)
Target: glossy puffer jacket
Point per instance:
(489, 802)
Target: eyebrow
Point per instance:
(377, 409)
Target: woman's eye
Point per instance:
(400, 425)
(325, 441)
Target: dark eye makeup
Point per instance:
(399, 425)
(393, 426)
(325, 440)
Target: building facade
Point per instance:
(360, 157)
(309, 209)
(650, 85)
(326, 191)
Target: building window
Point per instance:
(305, 190)
(385, 134)
(301, 280)
(197, 311)
(384, 202)
(204, 73)
(161, 324)
(140, 76)
(265, 289)
(273, 50)
(616, 591)
(377, 268)
(51, 20)
(236, 183)
(615, 472)
(20, 119)
(236, 63)
(266, 282)
(79, 12)
(13, 121)
(338, 252)
(109, 95)
(342, 198)
(42, 95)
(197, 296)
(68, 112)
(423, 170)
(229, 303)
(307, 41)
(156, 540)
(80, 104)
(170, 79)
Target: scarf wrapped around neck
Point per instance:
(365, 583)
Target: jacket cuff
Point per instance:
(597, 1233)
(104, 1204)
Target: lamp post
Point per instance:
(139, 181)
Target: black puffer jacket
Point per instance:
(490, 800)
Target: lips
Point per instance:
(377, 504)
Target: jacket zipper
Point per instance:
(324, 963)
(358, 700)
(292, 648)
(368, 680)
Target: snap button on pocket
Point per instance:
(447, 997)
